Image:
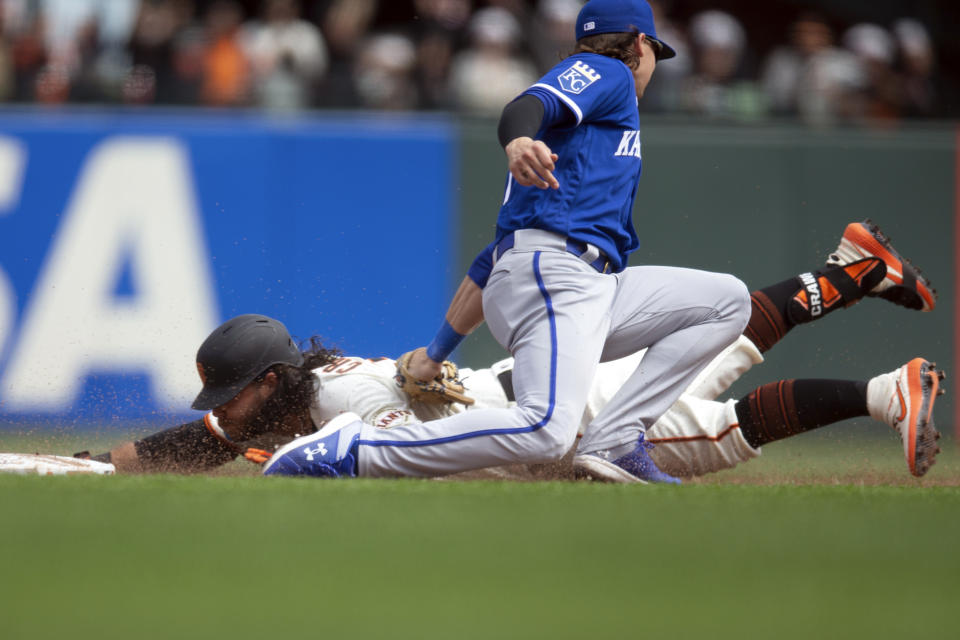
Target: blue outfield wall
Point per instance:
(125, 238)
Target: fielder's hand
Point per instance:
(532, 163)
(444, 387)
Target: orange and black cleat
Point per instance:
(904, 399)
(903, 285)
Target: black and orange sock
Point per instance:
(785, 408)
(768, 317)
(807, 297)
(834, 287)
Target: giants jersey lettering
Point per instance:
(599, 161)
(367, 388)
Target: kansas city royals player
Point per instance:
(560, 297)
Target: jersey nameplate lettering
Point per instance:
(629, 144)
(578, 77)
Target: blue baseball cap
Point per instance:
(621, 16)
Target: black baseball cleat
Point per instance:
(904, 285)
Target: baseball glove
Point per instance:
(444, 388)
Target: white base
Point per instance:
(46, 465)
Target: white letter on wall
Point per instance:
(134, 201)
(13, 159)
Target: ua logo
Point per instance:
(629, 144)
(319, 451)
(578, 77)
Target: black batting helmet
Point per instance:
(237, 352)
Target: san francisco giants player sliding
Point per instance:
(263, 391)
(695, 436)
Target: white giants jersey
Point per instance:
(367, 387)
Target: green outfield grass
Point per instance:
(244, 557)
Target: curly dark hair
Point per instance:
(612, 45)
(296, 388)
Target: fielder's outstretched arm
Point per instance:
(464, 315)
(466, 310)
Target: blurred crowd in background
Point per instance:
(789, 59)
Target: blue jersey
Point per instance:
(598, 144)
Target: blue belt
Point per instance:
(574, 247)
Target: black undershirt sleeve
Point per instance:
(522, 117)
(184, 449)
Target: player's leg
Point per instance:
(556, 333)
(697, 436)
(490, 387)
(771, 317)
(903, 399)
(778, 308)
(685, 318)
(864, 264)
(734, 361)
